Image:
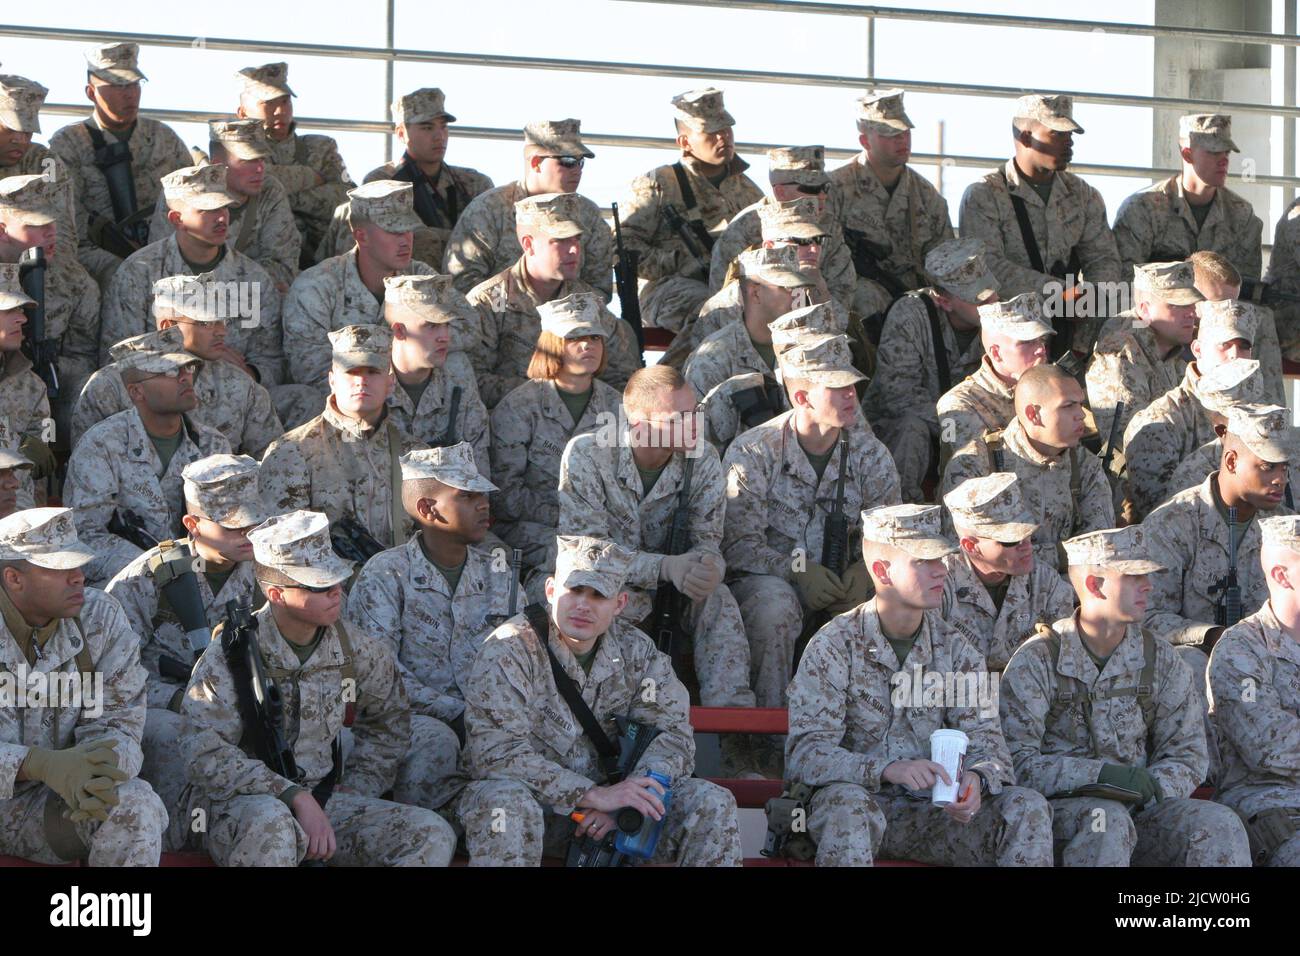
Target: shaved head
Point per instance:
(1041, 384)
(415, 489)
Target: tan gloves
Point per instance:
(85, 776)
(695, 573)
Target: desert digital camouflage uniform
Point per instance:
(101, 636)
(327, 297)
(71, 297)
(1046, 484)
(846, 728)
(1073, 220)
(901, 400)
(13, 459)
(600, 495)
(20, 108)
(401, 598)
(156, 150)
(1190, 533)
(229, 402)
(250, 822)
(507, 306)
(222, 488)
(435, 631)
(1069, 752)
(1176, 424)
(1254, 706)
(24, 400)
(776, 510)
(909, 220)
(274, 241)
(1191, 471)
(115, 467)
(340, 466)
(447, 193)
(1156, 224)
(727, 362)
(992, 507)
(428, 423)
(530, 428)
(980, 403)
(531, 758)
(297, 160)
(1284, 275)
(677, 282)
(745, 231)
(128, 304)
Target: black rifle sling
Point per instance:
(1026, 230)
(99, 142)
(688, 200)
(539, 620)
(936, 336)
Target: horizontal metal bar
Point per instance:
(691, 73)
(991, 20)
(626, 141)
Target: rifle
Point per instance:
(867, 255)
(835, 530)
(666, 615)
(687, 235)
(448, 437)
(758, 404)
(1227, 609)
(1112, 437)
(129, 228)
(633, 739)
(173, 575)
(1262, 293)
(352, 541)
(625, 282)
(42, 351)
(129, 526)
(261, 707)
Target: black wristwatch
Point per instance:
(984, 781)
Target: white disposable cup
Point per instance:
(948, 749)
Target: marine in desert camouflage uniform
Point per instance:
(261, 223)
(996, 590)
(257, 817)
(344, 461)
(132, 461)
(533, 424)
(308, 165)
(893, 216)
(1066, 215)
(434, 600)
(21, 100)
(907, 384)
(1253, 683)
(1102, 717)
(859, 739)
(442, 192)
(68, 784)
(706, 188)
(486, 239)
(221, 506)
(532, 761)
(113, 80)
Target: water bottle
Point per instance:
(642, 843)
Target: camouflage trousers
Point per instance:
(1198, 662)
(773, 620)
(164, 770)
(671, 302)
(853, 827)
(1178, 832)
(909, 440)
(721, 653)
(428, 775)
(260, 830)
(32, 826)
(506, 826)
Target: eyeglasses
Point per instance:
(814, 190)
(568, 162)
(809, 241)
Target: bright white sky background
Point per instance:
(201, 79)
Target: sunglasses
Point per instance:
(568, 162)
(303, 587)
(814, 190)
(814, 241)
(175, 372)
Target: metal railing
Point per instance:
(391, 54)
